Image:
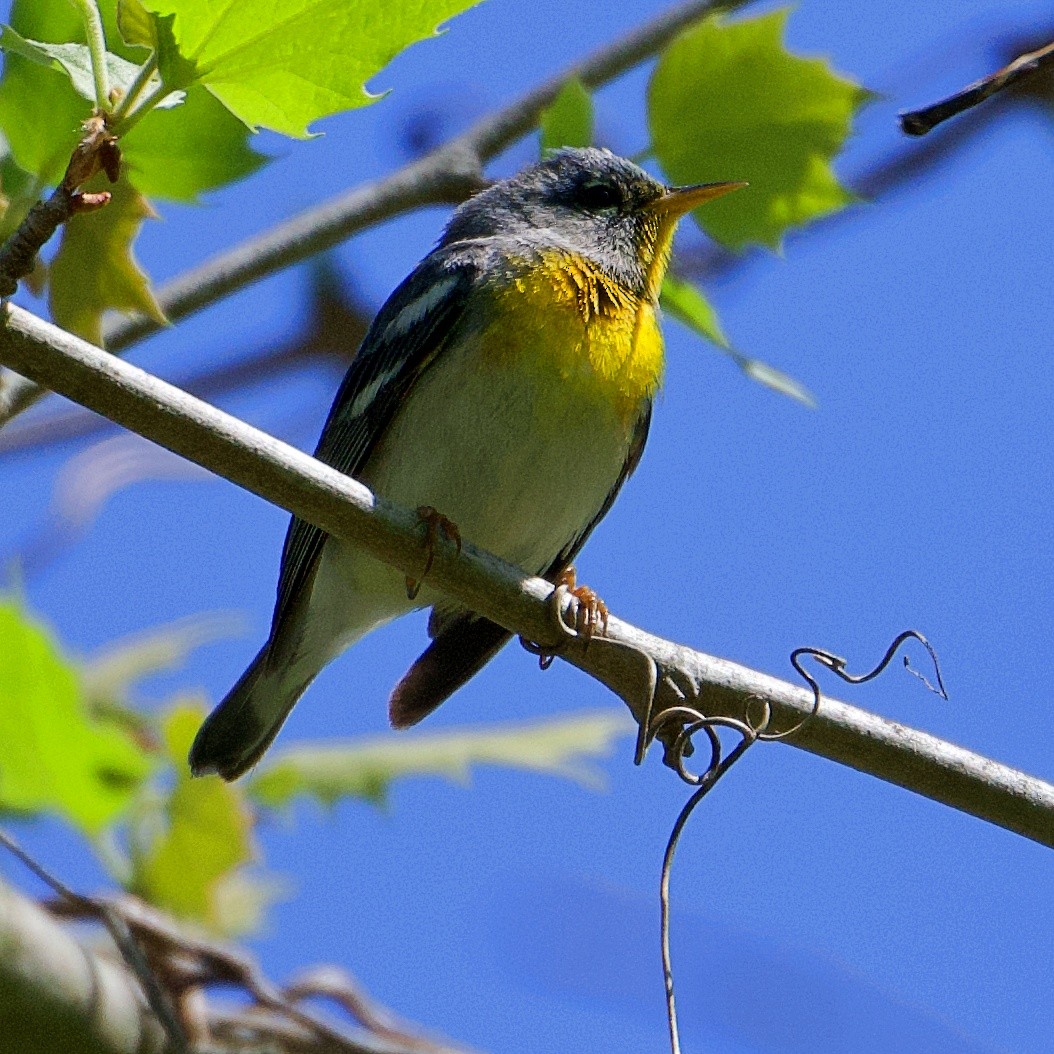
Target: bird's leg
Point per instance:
(436, 525)
(591, 613)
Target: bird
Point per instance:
(505, 391)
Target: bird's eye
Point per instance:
(596, 196)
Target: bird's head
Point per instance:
(591, 203)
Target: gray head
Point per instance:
(587, 202)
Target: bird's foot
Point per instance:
(590, 615)
(436, 526)
(590, 612)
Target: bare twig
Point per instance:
(344, 508)
(97, 150)
(920, 122)
(446, 175)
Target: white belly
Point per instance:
(519, 465)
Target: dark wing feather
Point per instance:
(395, 352)
(465, 643)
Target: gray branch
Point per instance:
(621, 660)
(448, 174)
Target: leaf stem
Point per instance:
(135, 90)
(89, 12)
(141, 110)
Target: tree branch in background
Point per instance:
(337, 320)
(920, 122)
(447, 175)
(650, 674)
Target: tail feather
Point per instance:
(236, 734)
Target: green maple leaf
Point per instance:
(727, 101)
(282, 66)
(95, 270)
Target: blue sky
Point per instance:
(815, 908)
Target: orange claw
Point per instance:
(591, 612)
(436, 525)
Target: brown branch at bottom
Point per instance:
(920, 122)
(175, 971)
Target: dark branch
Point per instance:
(920, 122)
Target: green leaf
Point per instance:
(52, 757)
(142, 28)
(282, 66)
(95, 270)
(728, 101)
(686, 303)
(568, 120)
(75, 61)
(365, 769)
(182, 153)
(192, 867)
(18, 192)
(40, 115)
(136, 24)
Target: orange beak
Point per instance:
(679, 200)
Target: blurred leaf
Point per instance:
(18, 192)
(568, 121)
(95, 270)
(366, 769)
(184, 152)
(142, 28)
(112, 673)
(775, 379)
(282, 66)
(728, 101)
(40, 116)
(686, 303)
(75, 61)
(189, 868)
(52, 757)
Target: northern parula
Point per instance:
(507, 384)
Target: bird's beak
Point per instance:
(679, 200)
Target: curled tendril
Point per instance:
(684, 722)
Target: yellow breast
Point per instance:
(581, 329)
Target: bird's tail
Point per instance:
(235, 735)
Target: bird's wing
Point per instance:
(404, 339)
(463, 642)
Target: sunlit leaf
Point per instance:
(53, 758)
(568, 120)
(365, 769)
(182, 153)
(727, 101)
(206, 839)
(95, 269)
(282, 66)
(686, 303)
